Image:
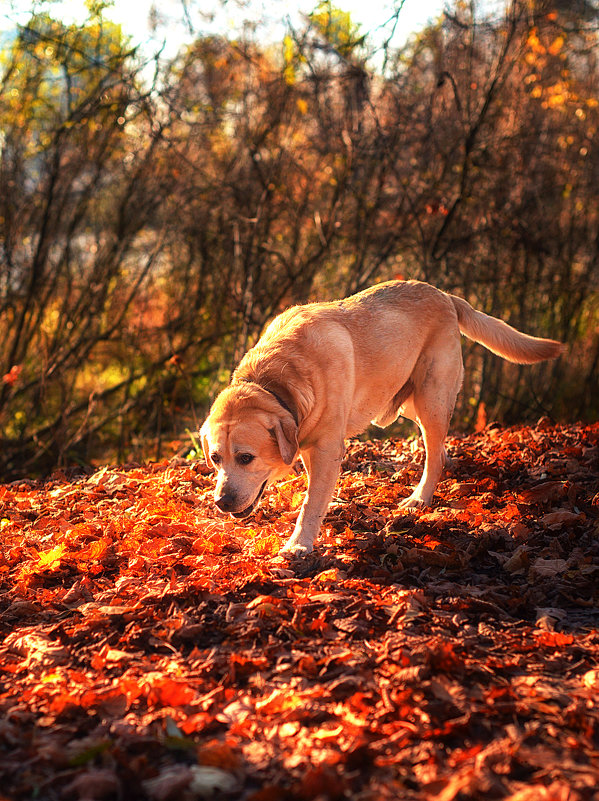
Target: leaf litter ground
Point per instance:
(152, 648)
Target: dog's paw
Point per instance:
(295, 550)
(413, 502)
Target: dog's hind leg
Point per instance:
(433, 403)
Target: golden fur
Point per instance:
(323, 371)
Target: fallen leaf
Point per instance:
(548, 567)
(94, 784)
(206, 781)
(591, 679)
(170, 783)
(562, 517)
(441, 653)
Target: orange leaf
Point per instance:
(219, 755)
(556, 45)
(167, 692)
(553, 638)
(280, 701)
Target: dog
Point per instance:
(323, 371)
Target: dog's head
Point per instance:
(251, 440)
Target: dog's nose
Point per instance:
(225, 502)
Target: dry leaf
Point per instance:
(150, 644)
(548, 567)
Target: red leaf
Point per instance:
(13, 374)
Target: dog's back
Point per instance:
(321, 372)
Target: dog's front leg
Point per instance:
(322, 465)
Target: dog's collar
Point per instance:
(276, 396)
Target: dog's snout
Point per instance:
(225, 502)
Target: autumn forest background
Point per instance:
(156, 209)
(156, 212)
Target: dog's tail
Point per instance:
(501, 338)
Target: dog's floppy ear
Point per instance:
(286, 434)
(205, 448)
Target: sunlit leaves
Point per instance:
(50, 71)
(337, 27)
(454, 646)
(554, 84)
(289, 58)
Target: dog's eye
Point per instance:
(215, 458)
(245, 458)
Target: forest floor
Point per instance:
(152, 648)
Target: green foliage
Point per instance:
(50, 70)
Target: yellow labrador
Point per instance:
(323, 371)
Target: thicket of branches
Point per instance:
(153, 216)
